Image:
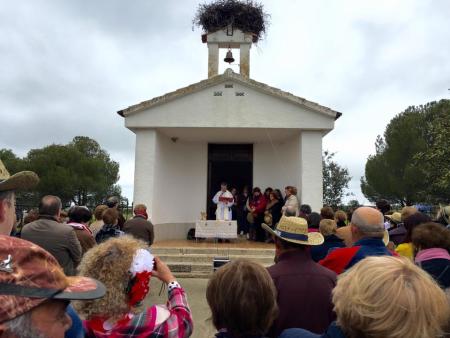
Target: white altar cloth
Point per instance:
(216, 229)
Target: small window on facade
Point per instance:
(217, 93)
(240, 94)
(229, 85)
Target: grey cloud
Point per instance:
(66, 67)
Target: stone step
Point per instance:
(181, 267)
(205, 275)
(197, 261)
(213, 251)
(208, 258)
(193, 270)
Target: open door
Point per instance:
(230, 163)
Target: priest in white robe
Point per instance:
(224, 201)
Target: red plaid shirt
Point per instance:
(144, 324)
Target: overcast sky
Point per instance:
(66, 67)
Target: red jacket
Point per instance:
(259, 204)
(342, 259)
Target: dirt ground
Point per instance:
(195, 290)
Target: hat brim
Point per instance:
(389, 217)
(314, 238)
(445, 212)
(82, 288)
(23, 180)
(386, 238)
(79, 288)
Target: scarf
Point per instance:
(141, 213)
(79, 226)
(433, 253)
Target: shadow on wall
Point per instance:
(171, 231)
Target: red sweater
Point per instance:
(259, 204)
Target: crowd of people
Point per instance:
(252, 208)
(333, 276)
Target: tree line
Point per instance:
(80, 172)
(411, 163)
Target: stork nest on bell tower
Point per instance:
(248, 16)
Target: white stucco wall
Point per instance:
(180, 181)
(276, 165)
(253, 110)
(144, 170)
(171, 177)
(311, 169)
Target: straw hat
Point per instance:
(295, 230)
(386, 238)
(445, 212)
(20, 181)
(395, 217)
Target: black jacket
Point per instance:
(319, 252)
(439, 269)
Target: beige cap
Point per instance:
(20, 181)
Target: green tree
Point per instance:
(353, 204)
(12, 162)
(98, 174)
(80, 172)
(405, 165)
(435, 160)
(335, 180)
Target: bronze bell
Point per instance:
(229, 57)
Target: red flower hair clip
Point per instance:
(141, 272)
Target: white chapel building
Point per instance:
(225, 128)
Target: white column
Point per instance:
(213, 59)
(244, 62)
(144, 171)
(311, 169)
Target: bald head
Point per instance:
(50, 206)
(368, 221)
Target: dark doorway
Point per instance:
(231, 163)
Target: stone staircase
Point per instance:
(194, 262)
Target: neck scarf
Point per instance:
(80, 226)
(433, 253)
(141, 213)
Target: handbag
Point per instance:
(268, 218)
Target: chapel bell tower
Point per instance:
(228, 38)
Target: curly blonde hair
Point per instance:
(389, 297)
(327, 227)
(109, 262)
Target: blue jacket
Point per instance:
(342, 259)
(333, 331)
(76, 330)
(319, 252)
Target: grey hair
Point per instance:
(6, 195)
(366, 228)
(290, 211)
(22, 326)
